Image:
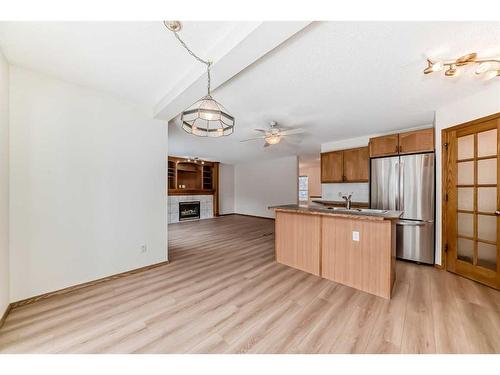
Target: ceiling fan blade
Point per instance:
(292, 131)
(252, 139)
(266, 145)
(261, 130)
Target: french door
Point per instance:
(472, 200)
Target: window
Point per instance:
(303, 190)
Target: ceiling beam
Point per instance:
(256, 43)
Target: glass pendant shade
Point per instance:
(207, 118)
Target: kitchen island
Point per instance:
(355, 247)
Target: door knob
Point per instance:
(497, 213)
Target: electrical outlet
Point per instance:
(355, 235)
(144, 248)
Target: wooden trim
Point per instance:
(73, 288)
(190, 192)
(4, 316)
(258, 217)
(444, 185)
(215, 185)
(482, 275)
(473, 122)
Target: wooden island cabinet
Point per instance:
(357, 250)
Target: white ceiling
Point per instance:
(139, 61)
(338, 80)
(341, 80)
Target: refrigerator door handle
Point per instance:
(396, 195)
(401, 198)
(412, 223)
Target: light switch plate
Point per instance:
(355, 235)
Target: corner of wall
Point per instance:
(5, 285)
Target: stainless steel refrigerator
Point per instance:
(406, 183)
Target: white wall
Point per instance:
(467, 109)
(260, 184)
(4, 184)
(87, 183)
(226, 189)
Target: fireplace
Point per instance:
(189, 210)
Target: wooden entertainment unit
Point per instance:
(194, 177)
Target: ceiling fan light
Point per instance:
(273, 139)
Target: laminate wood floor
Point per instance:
(224, 293)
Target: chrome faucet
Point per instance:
(347, 199)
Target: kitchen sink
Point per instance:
(365, 210)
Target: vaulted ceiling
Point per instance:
(337, 80)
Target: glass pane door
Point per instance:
(472, 211)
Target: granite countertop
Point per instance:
(357, 213)
(340, 203)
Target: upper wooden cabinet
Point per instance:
(331, 167)
(345, 166)
(384, 146)
(188, 177)
(416, 141)
(403, 143)
(356, 164)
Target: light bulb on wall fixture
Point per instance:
(433, 66)
(491, 74)
(437, 66)
(483, 66)
(451, 71)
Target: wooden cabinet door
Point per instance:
(331, 166)
(298, 241)
(356, 165)
(416, 141)
(384, 146)
(367, 262)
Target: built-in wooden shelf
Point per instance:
(193, 177)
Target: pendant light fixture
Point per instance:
(206, 117)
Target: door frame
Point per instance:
(444, 178)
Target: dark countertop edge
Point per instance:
(390, 215)
(326, 201)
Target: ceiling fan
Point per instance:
(274, 134)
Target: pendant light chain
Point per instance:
(206, 117)
(206, 62)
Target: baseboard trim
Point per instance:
(40, 297)
(4, 316)
(258, 217)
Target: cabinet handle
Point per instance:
(397, 148)
(400, 148)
